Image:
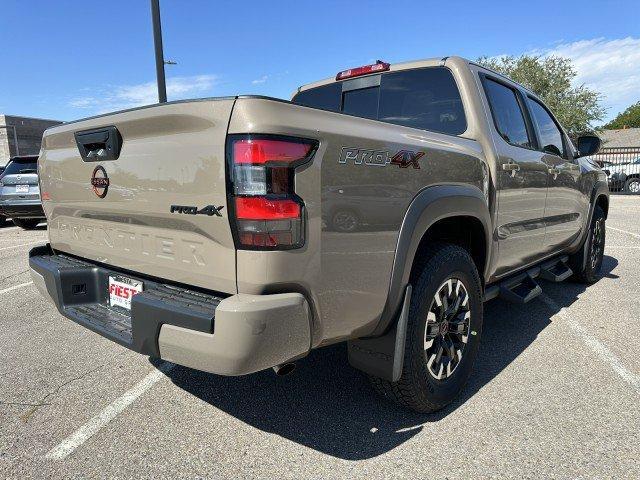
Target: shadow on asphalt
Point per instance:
(330, 407)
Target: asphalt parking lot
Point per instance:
(554, 394)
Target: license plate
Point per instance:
(22, 188)
(121, 290)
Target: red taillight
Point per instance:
(379, 66)
(261, 208)
(268, 213)
(260, 151)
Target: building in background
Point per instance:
(624, 137)
(21, 135)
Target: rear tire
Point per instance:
(632, 186)
(26, 223)
(429, 383)
(594, 246)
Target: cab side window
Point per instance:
(507, 113)
(550, 135)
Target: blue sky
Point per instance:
(71, 59)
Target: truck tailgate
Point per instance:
(171, 155)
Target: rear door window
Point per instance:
(423, 98)
(550, 135)
(507, 113)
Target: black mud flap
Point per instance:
(383, 356)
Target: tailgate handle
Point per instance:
(99, 144)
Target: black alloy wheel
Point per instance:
(447, 328)
(597, 244)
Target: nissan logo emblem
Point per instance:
(100, 181)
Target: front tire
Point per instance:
(443, 331)
(26, 223)
(589, 271)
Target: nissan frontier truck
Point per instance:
(381, 207)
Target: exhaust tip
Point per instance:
(284, 369)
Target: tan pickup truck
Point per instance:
(381, 208)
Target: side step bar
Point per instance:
(556, 271)
(522, 288)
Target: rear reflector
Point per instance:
(379, 66)
(267, 239)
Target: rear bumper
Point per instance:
(14, 209)
(232, 335)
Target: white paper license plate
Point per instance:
(121, 290)
(22, 188)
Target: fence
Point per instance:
(622, 166)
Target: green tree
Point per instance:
(550, 78)
(629, 118)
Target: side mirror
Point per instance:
(588, 145)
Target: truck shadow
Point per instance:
(330, 407)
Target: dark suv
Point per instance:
(20, 193)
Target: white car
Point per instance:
(623, 176)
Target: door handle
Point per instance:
(554, 171)
(512, 167)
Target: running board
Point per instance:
(557, 271)
(522, 288)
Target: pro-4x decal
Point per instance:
(404, 158)
(380, 158)
(210, 210)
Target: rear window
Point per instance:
(425, 98)
(16, 166)
(361, 103)
(326, 97)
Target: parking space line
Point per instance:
(21, 245)
(623, 231)
(93, 426)
(15, 287)
(596, 345)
